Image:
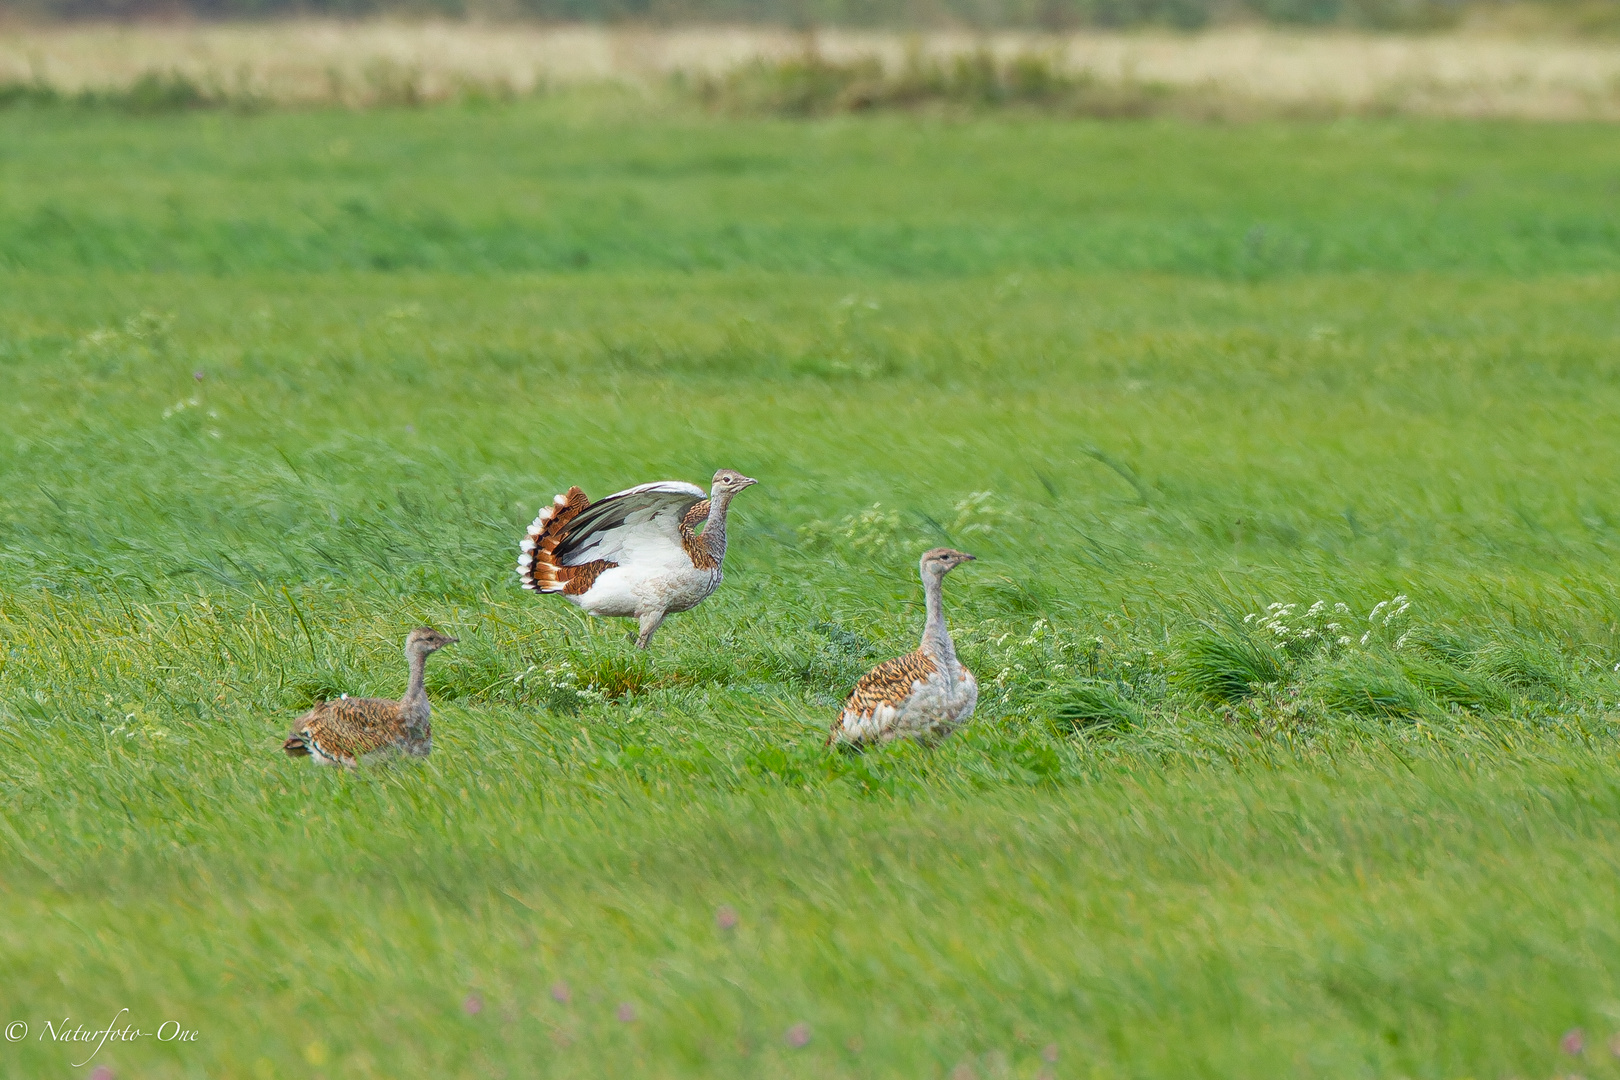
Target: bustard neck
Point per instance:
(936, 639)
(714, 529)
(416, 699)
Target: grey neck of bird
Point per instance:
(936, 639)
(416, 694)
(714, 531)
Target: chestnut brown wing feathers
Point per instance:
(574, 540)
(347, 729)
(540, 565)
(890, 682)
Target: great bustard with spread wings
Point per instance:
(636, 554)
(923, 695)
(342, 732)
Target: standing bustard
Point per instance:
(633, 555)
(922, 695)
(342, 732)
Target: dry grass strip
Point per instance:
(323, 62)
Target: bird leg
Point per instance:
(649, 625)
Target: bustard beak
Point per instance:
(749, 481)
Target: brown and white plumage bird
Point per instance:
(636, 554)
(924, 695)
(342, 732)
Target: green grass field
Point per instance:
(275, 388)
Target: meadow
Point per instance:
(1288, 451)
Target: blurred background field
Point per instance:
(1287, 446)
(1234, 72)
(1581, 17)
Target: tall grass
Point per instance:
(275, 388)
(1059, 14)
(813, 85)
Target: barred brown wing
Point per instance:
(890, 683)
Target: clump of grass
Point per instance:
(159, 92)
(1524, 666)
(1408, 684)
(380, 84)
(1380, 666)
(1463, 689)
(812, 85)
(1495, 666)
(1087, 704)
(17, 93)
(617, 675)
(1371, 689)
(150, 93)
(1224, 662)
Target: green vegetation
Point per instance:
(1590, 16)
(153, 92)
(275, 388)
(811, 85)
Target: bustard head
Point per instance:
(731, 481)
(425, 639)
(941, 561)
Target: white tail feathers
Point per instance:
(537, 569)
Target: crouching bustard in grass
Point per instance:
(342, 732)
(924, 695)
(635, 555)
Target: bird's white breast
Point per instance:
(668, 585)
